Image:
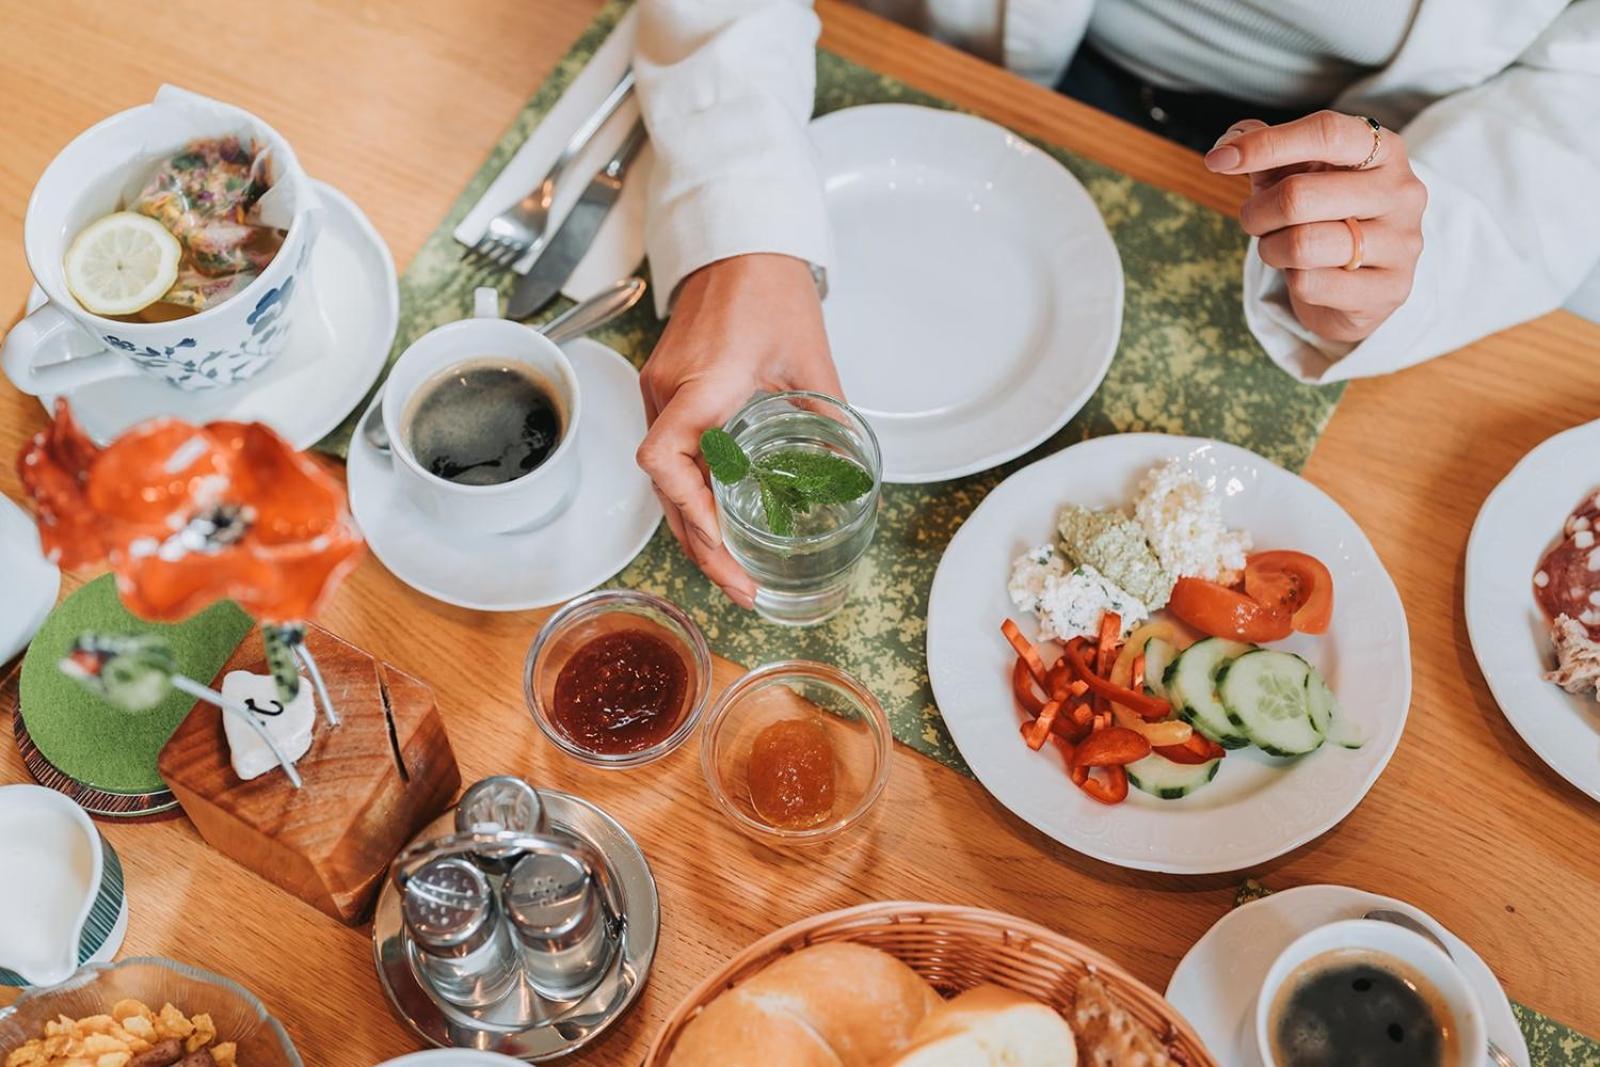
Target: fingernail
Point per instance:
(1222, 157)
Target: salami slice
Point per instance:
(1568, 579)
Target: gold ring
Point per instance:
(1377, 141)
(1358, 242)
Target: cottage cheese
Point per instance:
(1183, 523)
(1069, 600)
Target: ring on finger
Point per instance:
(1377, 141)
(1358, 245)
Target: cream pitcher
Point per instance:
(52, 859)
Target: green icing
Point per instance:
(86, 736)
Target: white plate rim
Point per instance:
(1507, 1033)
(1540, 721)
(1174, 445)
(368, 463)
(1030, 440)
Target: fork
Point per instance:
(520, 228)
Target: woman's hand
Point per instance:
(1304, 185)
(739, 325)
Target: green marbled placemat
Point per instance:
(1187, 364)
(1550, 1044)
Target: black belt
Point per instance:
(1192, 119)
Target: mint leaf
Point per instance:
(727, 460)
(817, 477)
(780, 506)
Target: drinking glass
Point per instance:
(803, 578)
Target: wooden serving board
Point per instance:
(369, 785)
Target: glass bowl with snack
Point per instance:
(143, 1012)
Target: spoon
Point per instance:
(577, 320)
(1499, 1055)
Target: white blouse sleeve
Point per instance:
(1513, 219)
(727, 89)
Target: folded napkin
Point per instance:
(619, 245)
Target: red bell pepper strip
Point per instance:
(1022, 685)
(1039, 732)
(1114, 790)
(1029, 654)
(1144, 705)
(1198, 749)
(1106, 654)
(1112, 745)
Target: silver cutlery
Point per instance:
(521, 227)
(566, 248)
(577, 320)
(1499, 1055)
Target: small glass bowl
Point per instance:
(592, 616)
(238, 1015)
(790, 689)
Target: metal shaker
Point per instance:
(501, 802)
(562, 923)
(463, 948)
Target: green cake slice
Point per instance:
(84, 736)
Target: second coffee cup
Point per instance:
(482, 415)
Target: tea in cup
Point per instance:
(482, 416)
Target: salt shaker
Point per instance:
(464, 950)
(501, 802)
(563, 927)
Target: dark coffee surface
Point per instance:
(1358, 1009)
(483, 422)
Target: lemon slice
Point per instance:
(122, 263)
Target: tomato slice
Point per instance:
(1222, 612)
(1292, 583)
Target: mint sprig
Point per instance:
(791, 481)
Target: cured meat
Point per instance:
(1567, 582)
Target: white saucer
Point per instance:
(608, 522)
(1216, 983)
(334, 354)
(31, 581)
(1257, 808)
(1519, 521)
(975, 300)
(452, 1057)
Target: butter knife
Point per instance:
(566, 248)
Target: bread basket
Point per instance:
(953, 948)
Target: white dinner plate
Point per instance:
(1257, 807)
(610, 519)
(333, 356)
(30, 581)
(1519, 521)
(1217, 981)
(452, 1057)
(975, 299)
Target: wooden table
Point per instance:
(396, 103)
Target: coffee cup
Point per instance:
(1418, 963)
(93, 176)
(521, 503)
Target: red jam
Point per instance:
(622, 692)
(792, 775)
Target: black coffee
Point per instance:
(1352, 1008)
(483, 422)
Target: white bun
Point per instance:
(991, 1027)
(833, 1005)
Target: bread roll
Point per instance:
(1111, 1037)
(840, 1005)
(991, 1027)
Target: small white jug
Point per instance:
(53, 862)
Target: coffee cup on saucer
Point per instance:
(482, 417)
(1360, 990)
(98, 173)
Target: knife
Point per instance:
(561, 255)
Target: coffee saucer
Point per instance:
(1216, 983)
(334, 354)
(612, 514)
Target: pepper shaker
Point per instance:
(564, 929)
(464, 950)
(501, 802)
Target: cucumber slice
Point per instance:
(1264, 693)
(1161, 777)
(1328, 716)
(1158, 655)
(1191, 684)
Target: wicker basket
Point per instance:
(954, 948)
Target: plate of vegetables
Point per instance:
(1169, 653)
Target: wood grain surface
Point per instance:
(396, 103)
